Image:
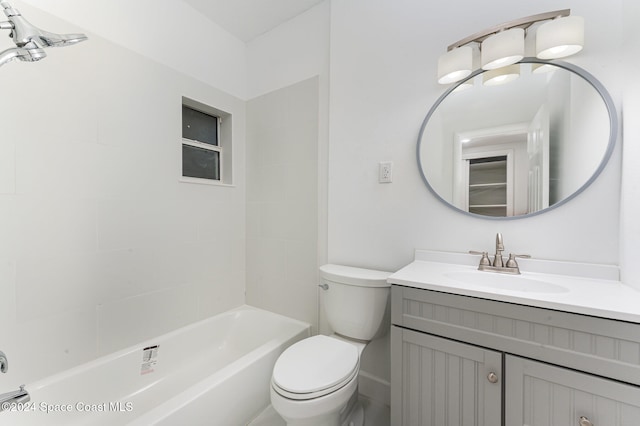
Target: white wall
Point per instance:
(383, 82)
(630, 226)
(168, 31)
(294, 51)
(100, 245)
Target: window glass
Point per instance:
(198, 126)
(200, 163)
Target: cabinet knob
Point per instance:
(584, 421)
(493, 378)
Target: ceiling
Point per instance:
(247, 19)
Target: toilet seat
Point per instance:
(315, 367)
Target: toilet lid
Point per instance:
(315, 364)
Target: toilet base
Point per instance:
(299, 414)
(354, 414)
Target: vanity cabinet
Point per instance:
(538, 394)
(443, 382)
(459, 360)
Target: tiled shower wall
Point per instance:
(101, 246)
(282, 201)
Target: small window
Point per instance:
(200, 163)
(206, 143)
(198, 126)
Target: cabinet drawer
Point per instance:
(600, 346)
(544, 395)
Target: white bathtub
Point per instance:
(214, 372)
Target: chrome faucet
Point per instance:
(17, 397)
(498, 264)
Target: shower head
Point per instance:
(30, 40)
(27, 54)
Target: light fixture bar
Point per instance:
(523, 23)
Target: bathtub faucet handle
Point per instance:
(324, 286)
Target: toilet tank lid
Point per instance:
(354, 276)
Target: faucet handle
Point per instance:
(484, 260)
(511, 263)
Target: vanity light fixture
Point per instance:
(455, 65)
(500, 76)
(558, 35)
(502, 49)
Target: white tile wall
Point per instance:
(51, 344)
(55, 283)
(8, 291)
(8, 226)
(7, 167)
(101, 246)
(144, 316)
(282, 201)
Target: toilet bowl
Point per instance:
(315, 381)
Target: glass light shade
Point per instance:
(560, 37)
(502, 49)
(501, 75)
(455, 65)
(464, 86)
(542, 68)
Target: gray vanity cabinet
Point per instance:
(444, 382)
(464, 361)
(539, 394)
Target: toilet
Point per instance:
(315, 381)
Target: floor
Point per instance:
(375, 414)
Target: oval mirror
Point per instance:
(519, 148)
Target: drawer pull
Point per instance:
(585, 421)
(493, 378)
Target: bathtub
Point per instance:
(214, 372)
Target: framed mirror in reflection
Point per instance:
(520, 148)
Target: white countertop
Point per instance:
(586, 289)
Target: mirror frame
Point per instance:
(613, 136)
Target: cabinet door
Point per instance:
(440, 382)
(538, 394)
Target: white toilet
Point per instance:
(315, 381)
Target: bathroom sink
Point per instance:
(505, 282)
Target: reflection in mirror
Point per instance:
(519, 148)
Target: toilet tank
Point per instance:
(355, 299)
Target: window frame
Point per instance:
(224, 147)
